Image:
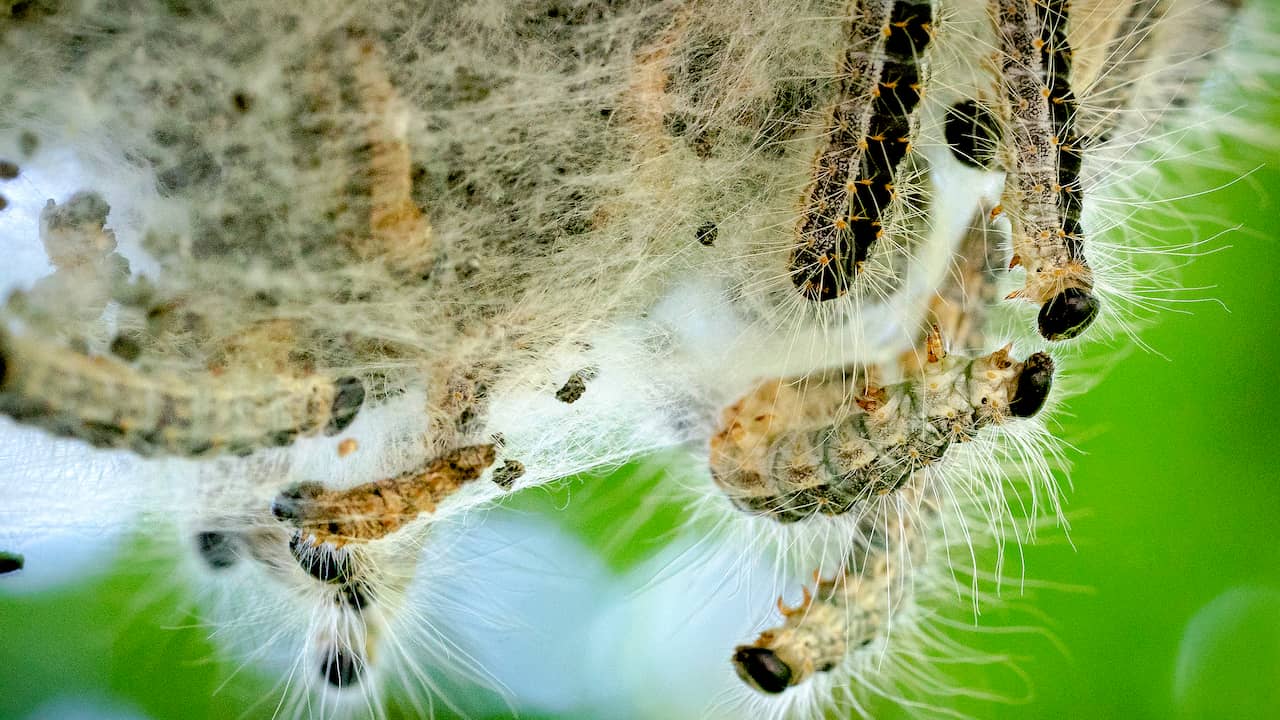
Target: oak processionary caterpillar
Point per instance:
(347, 277)
(869, 134)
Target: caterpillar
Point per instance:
(1043, 185)
(846, 616)
(793, 449)
(346, 593)
(868, 136)
(375, 510)
(109, 404)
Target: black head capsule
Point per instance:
(341, 668)
(762, 669)
(1067, 314)
(1034, 383)
(348, 397)
(10, 562)
(219, 550)
(970, 132)
(324, 564)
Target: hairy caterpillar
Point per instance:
(845, 614)
(108, 404)
(1046, 191)
(870, 130)
(769, 457)
(562, 234)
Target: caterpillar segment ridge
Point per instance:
(823, 444)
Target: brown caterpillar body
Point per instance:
(110, 404)
(846, 613)
(377, 509)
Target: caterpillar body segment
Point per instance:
(846, 617)
(111, 404)
(824, 444)
(1043, 186)
(377, 509)
(868, 136)
(398, 232)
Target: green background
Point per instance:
(1175, 514)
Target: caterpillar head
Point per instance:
(1068, 314)
(762, 669)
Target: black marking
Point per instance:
(846, 202)
(706, 234)
(971, 134)
(762, 669)
(125, 347)
(505, 477)
(8, 170)
(1056, 53)
(1067, 314)
(325, 564)
(219, 550)
(11, 562)
(1034, 383)
(342, 668)
(348, 398)
(4, 202)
